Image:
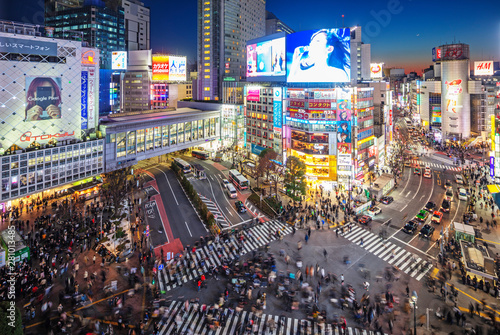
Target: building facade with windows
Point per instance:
(137, 25)
(224, 26)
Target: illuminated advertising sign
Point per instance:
(119, 60)
(453, 95)
(454, 52)
(29, 47)
(160, 67)
(324, 94)
(92, 98)
(344, 148)
(29, 137)
(169, 68)
(177, 67)
(314, 104)
(319, 56)
(300, 104)
(376, 70)
(85, 78)
(266, 58)
(484, 68)
(253, 94)
(277, 108)
(343, 159)
(43, 98)
(89, 57)
(492, 166)
(436, 114)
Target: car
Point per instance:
(224, 183)
(240, 206)
(449, 194)
(407, 164)
(427, 169)
(374, 210)
(426, 231)
(365, 219)
(445, 206)
(417, 171)
(410, 227)
(447, 184)
(430, 205)
(459, 179)
(422, 215)
(386, 200)
(437, 217)
(427, 174)
(462, 194)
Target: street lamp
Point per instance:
(414, 298)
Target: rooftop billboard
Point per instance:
(169, 68)
(266, 58)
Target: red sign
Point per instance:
(319, 105)
(28, 136)
(390, 117)
(438, 53)
(296, 104)
(302, 114)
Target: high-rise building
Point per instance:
(99, 23)
(275, 25)
(137, 25)
(224, 26)
(360, 57)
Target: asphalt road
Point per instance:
(215, 197)
(182, 218)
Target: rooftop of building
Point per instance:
(151, 115)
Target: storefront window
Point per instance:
(39, 176)
(195, 130)
(164, 136)
(31, 178)
(157, 137)
(180, 132)
(149, 139)
(173, 134)
(14, 185)
(140, 140)
(131, 143)
(5, 184)
(200, 128)
(120, 145)
(187, 131)
(206, 131)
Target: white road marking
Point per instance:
(168, 184)
(188, 229)
(229, 211)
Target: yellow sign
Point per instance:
(493, 132)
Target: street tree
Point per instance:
(115, 184)
(10, 319)
(295, 181)
(266, 165)
(276, 177)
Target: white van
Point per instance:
(462, 194)
(231, 191)
(459, 179)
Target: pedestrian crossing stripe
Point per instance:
(255, 237)
(214, 209)
(437, 166)
(404, 260)
(191, 321)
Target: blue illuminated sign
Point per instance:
(256, 149)
(84, 113)
(291, 119)
(277, 108)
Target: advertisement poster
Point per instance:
(436, 114)
(344, 132)
(343, 159)
(325, 94)
(119, 60)
(160, 67)
(177, 68)
(343, 110)
(484, 68)
(24, 46)
(343, 148)
(85, 76)
(319, 56)
(266, 58)
(277, 108)
(453, 95)
(92, 98)
(253, 94)
(376, 70)
(43, 98)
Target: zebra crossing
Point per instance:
(255, 237)
(193, 322)
(404, 260)
(214, 209)
(436, 166)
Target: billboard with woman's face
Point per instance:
(319, 56)
(43, 98)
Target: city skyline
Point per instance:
(393, 40)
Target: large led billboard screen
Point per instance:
(319, 56)
(266, 58)
(169, 68)
(43, 98)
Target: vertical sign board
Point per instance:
(492, 166)
(84, 99)
(91, 99)
(277, 108)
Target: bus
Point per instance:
(185, 167)
(238, 180)
(200, 154)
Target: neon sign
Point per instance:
(28, 136)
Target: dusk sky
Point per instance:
(404, 38)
